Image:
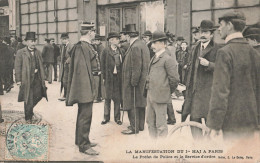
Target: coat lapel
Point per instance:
(207, 50)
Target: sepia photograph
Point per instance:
(130, 81)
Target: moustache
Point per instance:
(203, 37)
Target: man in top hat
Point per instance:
(162, 80)
(112, 59)
(56, 52)
(48, 59)
(81, 86)
(98, 77)
(200, 76)
(147, 39)
(235, 96)
(29, 76)
(124, 44)
(65, 48)
(135, 67)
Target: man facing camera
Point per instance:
(162, 80)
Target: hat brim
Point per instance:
(206, 29)
(113, 37)
(160, 39)
(30, 39)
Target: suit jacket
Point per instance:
(233, 104)
(135, 67)
(162, 78)
(23, 73)
(48, 53)
(199, 81)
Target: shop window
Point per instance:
(62, 4)
(52, 36)
(51, 16)
(201, 4)
(224, 3)
(114, 20)
(42, 28)
(41, 39)
(33, 18)
(25, 19)
(72, 4)
(248, 2)
(4, 3)
(24, 29)
(72, 14)
(219, 13)
(62, 15)
(33, 7)
(24, 8)
(130, 16)
(74, 38)
(62, 27)
(42, 6)
(73, 26)
(42, 17)
(51, 4)
(33, 28)
(51, 27)
(23, 1)
(252, 14)
(197, 17)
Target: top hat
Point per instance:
(131, 30)
(87, 26)
(64, 35)
(206, 25)
(113, 34)
(180, 38)
(30, 36)
(158, 36)
(233, 15)
(123, 31)
(97, 37)
(147, 33)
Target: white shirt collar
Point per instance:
(233, 36)
(85, 39)
(205, 44)
(133, 40)
(159, 52)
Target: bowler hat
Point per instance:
(158, 36)
(64, 35)
(206, 25)
(30, 36)
(87, 26)
(252, 33)
(180, 38)
(147, 33)
(131, 30)
(113, 34)
(233, 16)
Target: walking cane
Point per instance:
(123, 115)
(135, 111)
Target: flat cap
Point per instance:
(233, 15)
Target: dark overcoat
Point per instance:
(135, 68)
(80, 80)
(199, 81)
(233, 104)
(48, 53)
(108, 65)
(23, 71)
(162, 78)
(3, 58)
(65, 56)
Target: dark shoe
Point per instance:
(171, 123)
(89, 151)
(179, 111)
(62, 99)
(104, 122)
(128, 132)
(93, 144)
(2, 120)
(49, 82)
(141, 129)
(55, 80)
(119, 122)
(129, 128)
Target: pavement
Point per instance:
(112, 145)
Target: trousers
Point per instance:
(139, 112)
(107, 108)
(48, 71)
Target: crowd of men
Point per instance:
(140, 76)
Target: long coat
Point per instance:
(80, 80)
(163, 78)
(48, 53)
(199, 81)
(233, 104)
(23, 71)
(65, 56)
(108, 65)
(3, 58)
(135, 68)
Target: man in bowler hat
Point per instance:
(162, 80)
(235, 97)
(135, 67)
(81, 86)
(29, 76)
(200, 76)
(112, 59)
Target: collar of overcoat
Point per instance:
(132, 45)
(27, 53)
(208, 48)
(238, 40)
(156, 59)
